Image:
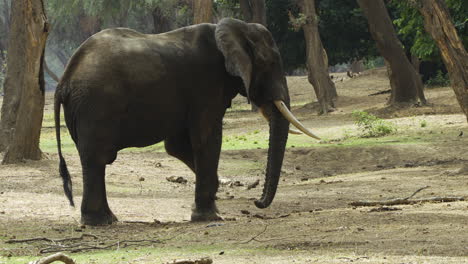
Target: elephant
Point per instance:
(122, 88)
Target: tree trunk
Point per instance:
(202, 11)
(405, 82)
(254, 11)
(161, 22)
(23, 104)
(317, 60)
(438, 23)
(416, 62)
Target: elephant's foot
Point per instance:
(98, 219)
(205, 215)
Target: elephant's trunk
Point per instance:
(279, 128)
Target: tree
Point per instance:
(405, 82)
(202, 11)
(344, 31)
(317, 61)
(23, 103)
(438, 23)
(417, 42)
(253, 11)
(291, 43)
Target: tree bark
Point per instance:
(202, 11)
(23, 104)
(317, 60)
(438, 24)
(161, 22)
(253, 11)
(406, 84)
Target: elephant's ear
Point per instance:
(231, 41)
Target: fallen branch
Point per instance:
(79, 247)
(381, 92)
(189, 261)
(406, 200)
(55, 257)
(11, 241)
(400, 201)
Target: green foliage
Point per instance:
(344, 31)
(290, 43)
(373, 62)
(410, 27)
(371, 125)
(423, 123)
(297, 22)
(440, 79)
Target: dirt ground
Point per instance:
(311, 219)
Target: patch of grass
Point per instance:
(423, 123)
(372, 126)
(156, 254)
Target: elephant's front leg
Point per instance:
(94, 207)
(206, 157)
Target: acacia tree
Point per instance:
(23, 103)
(405, 82)
(317, 61)
(202, 11)
(438, 23)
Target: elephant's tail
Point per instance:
(67, 183)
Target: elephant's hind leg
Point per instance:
(94, 207)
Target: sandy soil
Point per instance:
(311, 219)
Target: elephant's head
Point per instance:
(251, 54)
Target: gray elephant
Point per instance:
(125, 89)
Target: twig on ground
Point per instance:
(11, 241)
(407, 200)
(257, 235)
(381, 92)
(418, 190)
(79, 247)
(189, 261)
(55, 257)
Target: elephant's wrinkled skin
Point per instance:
(125, 89)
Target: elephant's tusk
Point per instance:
(294, 132)
(291, 131)
(292, 119)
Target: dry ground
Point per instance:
(310, 220)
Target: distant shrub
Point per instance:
(440, 79)
(371, 125)
(371, 63)
(423, 123)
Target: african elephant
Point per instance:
(122, 89)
